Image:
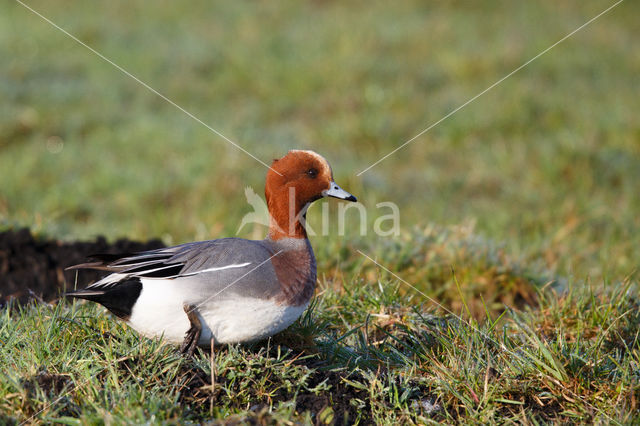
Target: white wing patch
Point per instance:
(113, 279)
(108, 281)
(218, 268)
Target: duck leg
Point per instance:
(193, 334)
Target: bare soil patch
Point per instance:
(33, 268)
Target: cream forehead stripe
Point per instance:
(325, 163)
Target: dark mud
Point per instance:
(32, 268)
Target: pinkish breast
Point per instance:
(296, 272)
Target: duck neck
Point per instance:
(287, 215)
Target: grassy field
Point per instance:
(520, 213)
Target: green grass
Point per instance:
(361, 353)
(520, 213)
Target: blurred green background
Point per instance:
(547, 164)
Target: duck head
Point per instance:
(293, 183)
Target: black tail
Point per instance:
(119, 298)
(102, 262)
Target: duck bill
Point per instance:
(336, 192)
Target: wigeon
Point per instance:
(228, 290)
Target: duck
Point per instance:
(228, 290)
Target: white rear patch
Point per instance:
(159, 312)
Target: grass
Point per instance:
(362, 353)
(519, 213)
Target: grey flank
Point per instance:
(187, 265)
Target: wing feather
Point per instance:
(178, 261)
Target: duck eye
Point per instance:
(312, 173)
